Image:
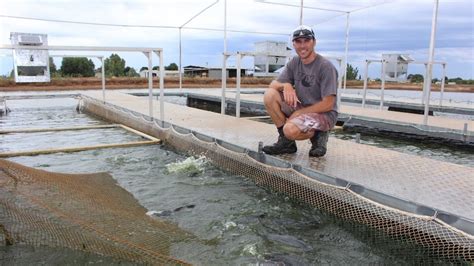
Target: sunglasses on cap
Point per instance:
(303, 33)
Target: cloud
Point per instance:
(397, 26)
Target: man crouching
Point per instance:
(302, 101)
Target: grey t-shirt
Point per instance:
(313, 81)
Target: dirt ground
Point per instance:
(63, 84)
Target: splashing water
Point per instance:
(191, 166)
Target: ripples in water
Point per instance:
(235, 221)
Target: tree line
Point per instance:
(353, 74)
(418, 78)
(114, 66)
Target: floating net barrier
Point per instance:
(88, 213)
(400, 224)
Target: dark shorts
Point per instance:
(309, 121)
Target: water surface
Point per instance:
(235, 221)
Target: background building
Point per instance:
(396, 67)
(268, 65)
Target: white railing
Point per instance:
(426, 89)
(148, 52)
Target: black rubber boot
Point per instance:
(282, 146)
(319, 144)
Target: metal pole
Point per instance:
(383, 84)
(339, 86)
(442, 85)
(103, 78)
(346, 50)
(366, 76)
(225, 26)
(237, 96)
(224, 60)
(150, 84)
(301, 13)
(424, 85)
(162, 87)
(224, 82)
(429, 69)
(180, 67)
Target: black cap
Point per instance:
(303, 31)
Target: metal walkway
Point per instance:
(440, 185)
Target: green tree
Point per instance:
(172, 66)
(415, 78)
(351, 72)
(77, 67)
(130, 72)
(458, 80)
(114, 66)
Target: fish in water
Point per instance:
(290, 241)
(169, 212)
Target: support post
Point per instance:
(162, 88)
(301, 13)
(382, 88)
(442, 85)
(339, 86)
(150, 83)
(366, 76)
(103, 78)
(225, 26)
(424, 85)
(429, 68)
(224, 82)
(224, 61)
(346, 50)
(180, 66)
(237, 95)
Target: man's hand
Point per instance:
(296, 114)
(289, 95)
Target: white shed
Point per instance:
(30, 65)
(267, 65)
(396, 67)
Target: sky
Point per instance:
(376, 27)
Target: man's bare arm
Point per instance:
(289, 93)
